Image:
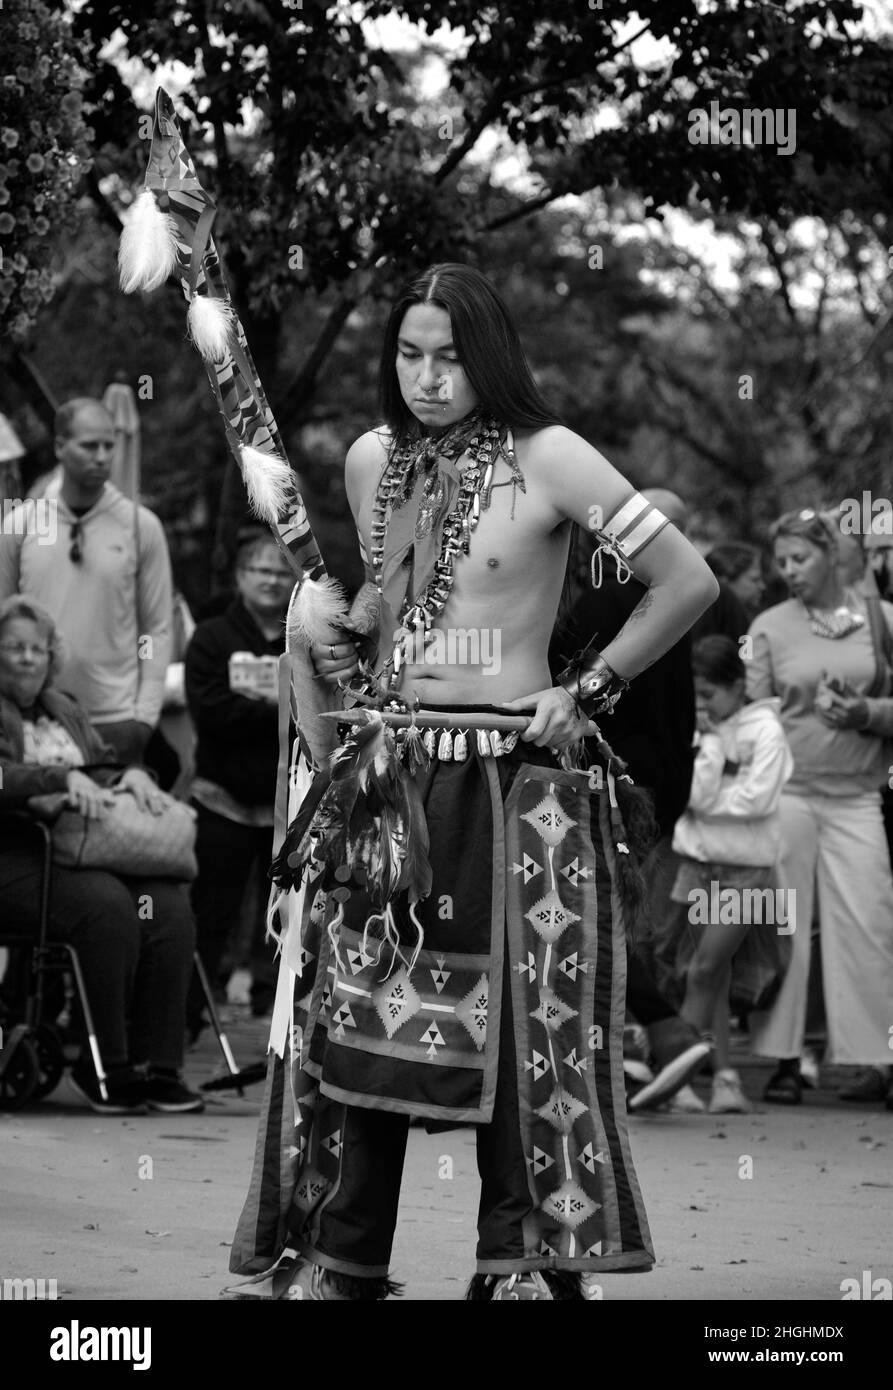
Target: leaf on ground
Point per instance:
(158, 1233)
(92, 1226)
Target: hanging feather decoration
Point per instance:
(414, 752)
(210, 324)
(318, 612)
(269, 482)
(147, 251)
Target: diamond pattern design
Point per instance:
(550, 821)
(396, 1001)
(570, 1205)
(549, 917)
(561, 1110)
(552, 1011)
(311, 1187)
(472, 1012)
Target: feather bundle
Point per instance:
(210, 321)
(269, 481)
(318, 612)
(147, 251)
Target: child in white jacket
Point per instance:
(728, 838)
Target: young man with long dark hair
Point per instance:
(497, 999)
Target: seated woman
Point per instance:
(136, 963)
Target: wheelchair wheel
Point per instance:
(50, 1052)
(20, 1076)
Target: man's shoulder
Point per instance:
(370, 448)
(549, 442)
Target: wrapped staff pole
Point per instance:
(433, 719)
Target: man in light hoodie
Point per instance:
(104, 574)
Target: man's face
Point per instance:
(265, 582)
(86, 455)
(432, 381)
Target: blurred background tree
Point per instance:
(713, 316)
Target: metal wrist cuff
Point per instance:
(594, 687)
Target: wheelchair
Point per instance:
(33, 1043)
(33, 1059)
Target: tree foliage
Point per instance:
(45, 151)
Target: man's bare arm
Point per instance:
(584, 487)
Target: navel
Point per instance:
(493, 563)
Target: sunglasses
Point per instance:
(75, 554)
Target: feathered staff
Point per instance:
(169, 232)
(366, 815)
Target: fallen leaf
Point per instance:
(693, 1207)
(158, 1233)
(92, 1226)
(700, 1267)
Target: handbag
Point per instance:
(125, 840)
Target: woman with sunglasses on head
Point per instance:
(815, 651)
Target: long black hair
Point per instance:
(486, 341)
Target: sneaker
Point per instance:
(685, 1102)
(238, 988)
(125, 1087)
(809, 1069)
(673, 1075)
(870, 1085)
(727, 1097)
(164, 1090)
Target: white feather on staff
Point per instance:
(209, 322)
(269, 481)
(147, 251)
(317, 612)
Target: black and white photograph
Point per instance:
(446, 672)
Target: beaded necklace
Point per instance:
(480, 440)
(835, 623)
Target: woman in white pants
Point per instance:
(816, 653)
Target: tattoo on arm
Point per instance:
(642, 606)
